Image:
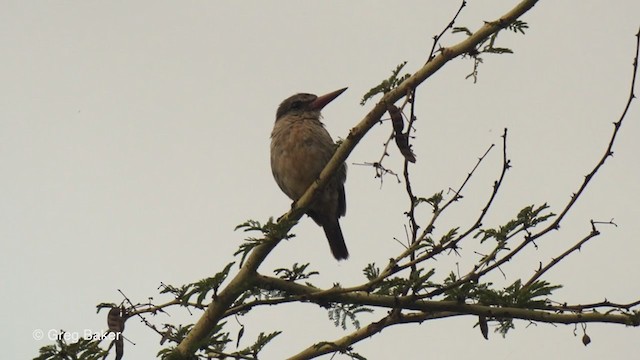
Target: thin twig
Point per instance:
(556, 260)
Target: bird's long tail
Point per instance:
(336, 240)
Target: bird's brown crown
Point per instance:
(296, 103)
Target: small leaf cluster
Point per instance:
(517, 295)
(215, 346)
(418, 281)
(200, 288)
(462, 291)
(526, 218)
(340, 313)
(297, 272)
(261, 341)
(387, 286)
(518, 26)
(434, 201)
(386, 85)
(488, 45)
(85, 349)
(271, 230)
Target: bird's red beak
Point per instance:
(323, 100)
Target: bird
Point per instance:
(300, 149)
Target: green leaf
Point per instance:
(339, 313)
(461, 29)
(297, 272)
(386, 85)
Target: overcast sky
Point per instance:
(134, 137)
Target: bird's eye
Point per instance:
(296, 105)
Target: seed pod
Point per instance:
(396, 118)
(484, 327)
(115, 320)
(402, 139)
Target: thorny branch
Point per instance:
(428, 300)
(381, 170)
(362, 294)
(530, 238)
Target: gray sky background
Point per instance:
(134, 137)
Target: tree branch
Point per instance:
(410, 302)
(374, 328)
(245, 277)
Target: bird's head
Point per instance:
(306, 103)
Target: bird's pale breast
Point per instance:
(299, 151)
